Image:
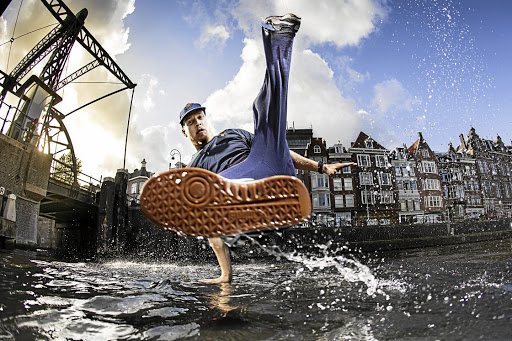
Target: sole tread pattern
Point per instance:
(197, 202)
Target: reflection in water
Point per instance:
(220, 300)
(449, 293)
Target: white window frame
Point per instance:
(337, 184)
(349, 200)
(432, 184)
(366, 178)
(317, 149)
(385, 176)
(381, 160)
(363, 160)
(338, 201)
(364, 196)
(348, 184)
(433, 201)
(386, 197)
(429, 167)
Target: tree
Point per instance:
(63, 168)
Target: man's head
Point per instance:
(194, 125)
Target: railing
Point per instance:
(7, 115)
(62, 172)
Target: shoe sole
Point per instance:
(199, 203)
(278, 22)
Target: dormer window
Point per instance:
(317, 149)
(368, 143)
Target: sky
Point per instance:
(388, 68)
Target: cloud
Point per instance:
(391, 95)
(314, 99)
(213, 36)
(342, 23)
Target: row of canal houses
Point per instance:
(408, 184)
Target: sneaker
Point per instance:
(287, 22)
(199, 203)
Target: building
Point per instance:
(343, 186)
(494, 165)
(376, 198)
(432, 201)
(406, 185)
(320, 186)
(135, 182)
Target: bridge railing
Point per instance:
(64, 173)
(7, 115)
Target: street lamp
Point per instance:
(174, 152)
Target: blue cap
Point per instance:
(190, 107)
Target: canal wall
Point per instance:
(24, 178)
(145, 239)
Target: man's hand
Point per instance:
(332, 168)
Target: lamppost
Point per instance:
(174, 152)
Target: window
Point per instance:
(337, 186)
(349, 200)
(398, 171)
(134, 188)
(385, 179)
(407, 185)
(366, 178)
(347, 183)
(317, 149)
(380, 161)
(363, 160)
(433, 201)
(414, 185)
(346, 170)
(403, 206)
(368, 143)
(432, 184)
(429, 167)
(416, 204)
(323, 200)
(338, 201)
(400, 185)
(424, 153)
(368, 197)
(338, 149)
(386, 197)
(319, 181)
(409, 205)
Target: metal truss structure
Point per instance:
(58, 42)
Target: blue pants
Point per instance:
(270, 154)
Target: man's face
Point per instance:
(197, 129)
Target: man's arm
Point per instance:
(300, 162)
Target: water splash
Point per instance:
(351, 270)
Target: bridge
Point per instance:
(40, 174)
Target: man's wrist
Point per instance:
(320, 167)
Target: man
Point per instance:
(233, 205)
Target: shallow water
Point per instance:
(446, 293)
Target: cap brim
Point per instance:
(190, 112)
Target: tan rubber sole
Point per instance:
(197, 202)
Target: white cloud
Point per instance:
(391, 95)
(340, 22)
(314, 99)
(213, 36)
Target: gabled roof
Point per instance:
(360, 142)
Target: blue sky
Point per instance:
(388, 68)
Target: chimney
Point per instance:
(420, 135)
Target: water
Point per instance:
(445, 293)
